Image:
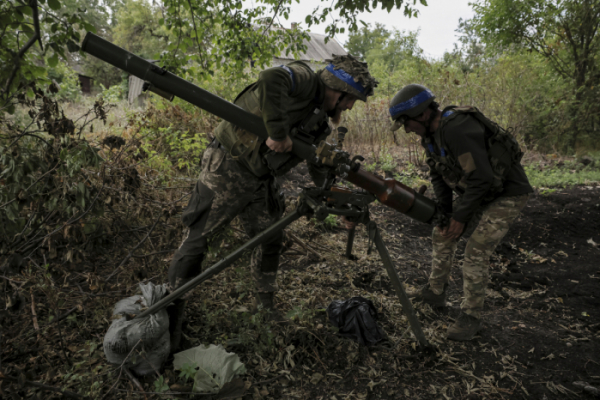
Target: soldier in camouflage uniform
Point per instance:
(239, 169)
(470, 155)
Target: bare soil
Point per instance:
(541, 320)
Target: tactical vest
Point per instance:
(310, 126)
(502, 148)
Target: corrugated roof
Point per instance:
(317, 49)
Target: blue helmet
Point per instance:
(410, 102)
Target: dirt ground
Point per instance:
(541, 330)
(542, 322)
(541, 315)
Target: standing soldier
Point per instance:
(239, 169)
(471, 155)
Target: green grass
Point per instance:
(566, 175)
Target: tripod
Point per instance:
(319, 203)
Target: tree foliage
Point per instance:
(366, 38)
(387, 47)
(22, 26)
(564, 32)
(469, 52)
(200, 36)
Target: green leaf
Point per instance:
(89, 27)
(26, 10)
(53, 61)
(72, 46)
(54, 4)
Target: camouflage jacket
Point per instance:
(289, 98)
(459, 159)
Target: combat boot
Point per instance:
(465, 328)
(426, 295)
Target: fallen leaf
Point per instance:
(316, 378)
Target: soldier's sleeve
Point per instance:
(276, 88)
(465, 138)
(442, 191)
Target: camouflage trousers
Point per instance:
(489, 225)
(226, 189)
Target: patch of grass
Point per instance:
(328, 223)
(387, 161)
(370, 167)
(566, 174)
(411, 179)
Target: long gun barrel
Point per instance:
(388, 191)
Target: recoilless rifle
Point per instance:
(317, 202)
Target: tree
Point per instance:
(470, 53)
(564, 32)
(31, 35)
(138, 29)
(360, 42)
(203, 35)
(227, 33)
(400, 47)
(384, 46)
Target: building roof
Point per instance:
(317, 49)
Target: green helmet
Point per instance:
(410, 102)
(347, 74)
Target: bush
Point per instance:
(44, 183)
(172, 139)
(113, 94)
(68, 81)
(517, 90)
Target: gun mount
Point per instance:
(388, 191)
(319, 202)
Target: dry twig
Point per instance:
(134, 249)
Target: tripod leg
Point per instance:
(349, 244)
(221, 265)
(397, 283)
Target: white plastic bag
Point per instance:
(149, 335)
(215, 368)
